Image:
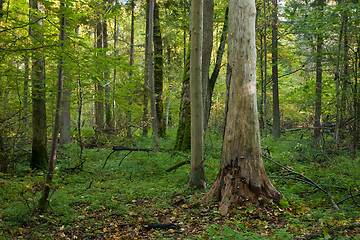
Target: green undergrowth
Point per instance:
(118, 200)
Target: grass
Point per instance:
(116, 202)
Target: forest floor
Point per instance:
(136, 198)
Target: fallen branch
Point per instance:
(311, 182)
(351, 197)
(331, 231)
(124, 148)
(178, 165)
(161, 226)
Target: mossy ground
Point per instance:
(117, 202)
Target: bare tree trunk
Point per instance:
(158, 71)
(264, 98)
(151, 77)
(207, 46)
(146, 76)
(39, 158)
(242, 179)
(183, 134)
(65, 125)
(275, 73)
(197, 175)
(109, 121)
(318, 92)
(26, 89)
(116, 39)
(99, 88)
(216, 71)
(43, 202)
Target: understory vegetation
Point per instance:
(135, 196)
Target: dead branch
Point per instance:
(178, 165)
(124, 148)
(331, 231)
(161, 226)
(311, 182)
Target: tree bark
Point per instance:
(264, 97)
(207, 46)
(146, 76)
(154, 121)
(197, 175)
(39, 158)
(43, 202)
(158, 71)
(275, 72)
(318, 63)
(99, 88)
(65, 125)
(242, 179)
(109, 121)
(26, 89)
(216, 71)
(183, 134)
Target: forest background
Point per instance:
(307, 83)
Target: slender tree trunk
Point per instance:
(356, 99)
(183, 134)
(146, 76)
(356, 104)
(242, 179)
(158, 71)
(207, 46)
(116, 52)
(39, 158)
(338, 80)
(43, 202)
(131, 54)
(109, 121)
(318, 92)
(264, 98)
(26, 89)
(151, 77)
(197, 175)
(345, 78)
(65, 125)
(99, 88)
(275, 73)
(216, 71)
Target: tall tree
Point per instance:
(319, 70)
(154, 121)
(146, 75)
(197, 174)
(264, 83)
(109, 121)
(99, 88)
(65, 125)
(207, 46)
(242, 179)
(39, 158)
(131, 53)
(183, 134)
(43, 202)
(275, 71)
(158, 71)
